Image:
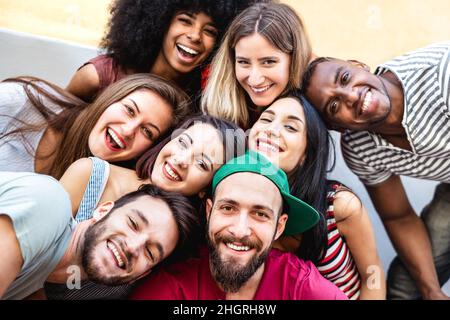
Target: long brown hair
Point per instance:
(77, 119)
(279, 24)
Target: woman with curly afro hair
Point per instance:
(174, 39)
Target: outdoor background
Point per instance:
(52, 38)
(370, 30)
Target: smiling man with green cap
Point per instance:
(250, 208)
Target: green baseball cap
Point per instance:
(301, 215)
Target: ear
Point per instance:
(281, 225)
(359, 64)
(209, 205)
(102, 210)
(202, 194)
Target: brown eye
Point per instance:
(345, 77)
(147, 133)
(129, 110)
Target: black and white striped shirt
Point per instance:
(425, 77)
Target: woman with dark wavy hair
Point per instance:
(171, 38)
(342, 245)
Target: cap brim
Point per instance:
(301, 216)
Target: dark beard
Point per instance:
(93, 233)
(229, 274)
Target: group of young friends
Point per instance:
(192, 159)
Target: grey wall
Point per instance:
(56, 61)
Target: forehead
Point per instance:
(149, 102)
(256, 44)
(205, 137)
(153, 209)
(286, 107)
(249, 189)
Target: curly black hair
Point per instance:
(136, 28)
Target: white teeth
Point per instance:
(188, 50)
(367, 100)
(237, 248)
(113, 248)
(259, 90)
(172, 173)
(266, 146)
(116, 139)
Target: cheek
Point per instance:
(241, 74)
(209, 45)
(252, 138)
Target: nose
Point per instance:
(272, 129)
(241, 228)
(350, 96)
(129, 129)
(194, 34)
(182, 159)
(256, 77)
(136, 244)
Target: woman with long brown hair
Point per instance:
(44, 129)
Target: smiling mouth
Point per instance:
(114, 139)
(171, 172)
(366, 102)
(265, 145)
(115, 251)
(236, 247)
(186, 51)
(259, 90)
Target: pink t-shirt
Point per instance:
(285, 277)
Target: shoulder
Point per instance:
(12, 94)
(430, 59)
(81, 169)
(75, 180)
(169, 283)
(304, 279)
(33, 197)
(346, 204)
(85, 83)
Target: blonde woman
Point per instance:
(264, 53)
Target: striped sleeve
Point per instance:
(354, 147)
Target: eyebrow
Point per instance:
(338, 71)
(336, 78)
(147, 223)
(141, 216)
(289, 117)
(139, 111)
(259, 59)
(160, 251)
(234, 202)
(189, 137)
(193, 15)
(210, 162)
(203, 154)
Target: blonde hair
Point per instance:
(279, 24)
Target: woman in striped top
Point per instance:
(342, 245)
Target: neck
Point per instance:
(72, 256)
(248, 290)
(162, 68)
